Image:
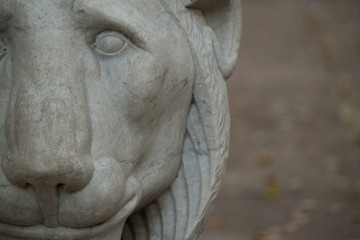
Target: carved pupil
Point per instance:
(109, 43)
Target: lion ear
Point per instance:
(223, 17)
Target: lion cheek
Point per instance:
(98, 201)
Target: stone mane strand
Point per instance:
(210, 95)
(206, 143)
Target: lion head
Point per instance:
(113, 116)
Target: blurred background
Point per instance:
(294, 167)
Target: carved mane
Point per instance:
(181, 212)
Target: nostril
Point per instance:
(61, 186)
(70, 175)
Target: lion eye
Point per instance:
(109, 43)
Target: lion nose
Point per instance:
(48, 124)
(49, 127)
(49, 139)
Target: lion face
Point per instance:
(94, 97)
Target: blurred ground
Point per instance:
(293, 170)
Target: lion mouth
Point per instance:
(107, 193)
(76, 219)
(37, 232)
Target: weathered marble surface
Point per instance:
(113, 116)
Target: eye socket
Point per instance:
(109, 43)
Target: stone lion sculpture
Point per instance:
(114, 119)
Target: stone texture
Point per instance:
(113, 115)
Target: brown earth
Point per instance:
(293, 171)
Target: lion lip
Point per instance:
(65, 233)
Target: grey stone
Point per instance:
(114, 119)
